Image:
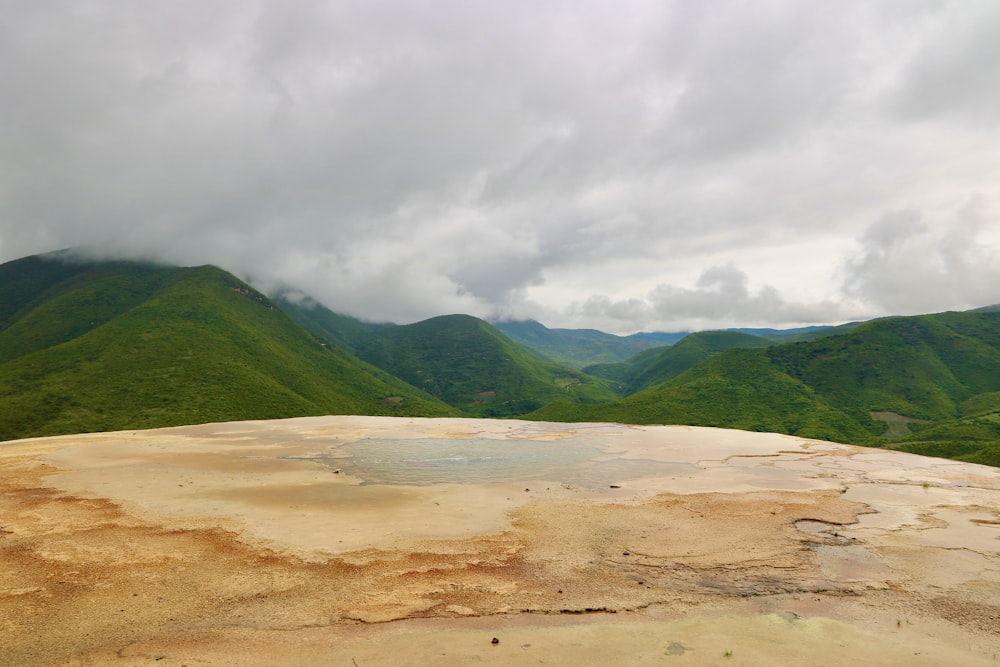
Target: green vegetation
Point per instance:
(690, 352)
(466, 362)
(83, 301)
(660, 364)
(623, 373)
(923, 367)
(973, 439)
(618, 357)
(980, 403)
(89, 346)
(941, 369)
(578, 348)
(120, 345)
(736, 389)
(347, 333)
(800, 335)
(471, 365)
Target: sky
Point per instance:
(627, 166)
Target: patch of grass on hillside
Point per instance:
(896, 424)
(972, 439)
(981, 403)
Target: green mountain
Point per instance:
(344, 331)
(465, 361)
(578, 348)
(736, 389)
(923, 367)
(470, 364)
(801, 334)
(975, 439)
(651, 368)
(622, 374)
(596, 352)
(91, 346)
(939, 373)
(781, 334)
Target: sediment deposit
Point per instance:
(364, 541)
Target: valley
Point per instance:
(90, 345)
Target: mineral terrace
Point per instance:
(378, 541)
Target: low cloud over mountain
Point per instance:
(652, 166)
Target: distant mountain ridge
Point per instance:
(942, 369)
(583, 348)
(646, 370)
(463, 360)
(578, 348)
(102, 345)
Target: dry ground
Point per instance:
(260, 543)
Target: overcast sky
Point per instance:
(627, 166)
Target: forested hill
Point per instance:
(93, 346)
(927, 384)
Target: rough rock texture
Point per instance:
(286, 542)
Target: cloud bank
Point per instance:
(657, 165)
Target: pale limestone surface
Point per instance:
(366, 540)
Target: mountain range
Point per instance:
(89, 345)
(93, 346)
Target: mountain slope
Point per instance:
(115, 345)
(344, 331)
(88, 346)
(975, 439)
(470, 364)
(27, 279)
(942, 369)
(923, 366)
(62, 305)
(645, 370)
(739, 389)
(467, 362)
(578, 348)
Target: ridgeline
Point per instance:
(108, 345)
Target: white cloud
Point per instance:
(721, 297)
(580, 162)
(954, 73)
(911, 262)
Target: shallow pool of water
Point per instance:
(426, 461)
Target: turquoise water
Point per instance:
(426, 461)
